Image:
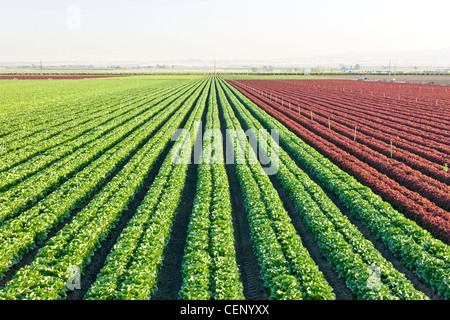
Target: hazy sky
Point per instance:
(212, 29)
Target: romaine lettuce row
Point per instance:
(72, 159)
(196, 265)
(60, 102)
(66, 138)
(209, 265)
(274, 266)
(140, 278)
(78, 240)
(131, 269)
(225, 272)
(20, 234)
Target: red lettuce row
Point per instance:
(431, 122)
(416, 207)
(372, 131)
(428, 187)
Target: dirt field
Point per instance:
(431, 79)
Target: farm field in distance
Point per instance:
(224, 188)
(439, 79)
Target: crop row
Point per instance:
(23, 232)
(22, 195)
(372, 132)
(287, 269)
(427, 213)
(132, 267)
(364, 111)
(48, 113)
(419, 108)
(209, 266)
(44, 155)
(427, 256)
(62, 129)
(348, 252)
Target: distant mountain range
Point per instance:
(439, 57)
(435, 58)
(424, 58)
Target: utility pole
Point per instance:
(214, 67)
(41, 68)
(395, 70)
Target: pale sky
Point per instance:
(104, 30)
